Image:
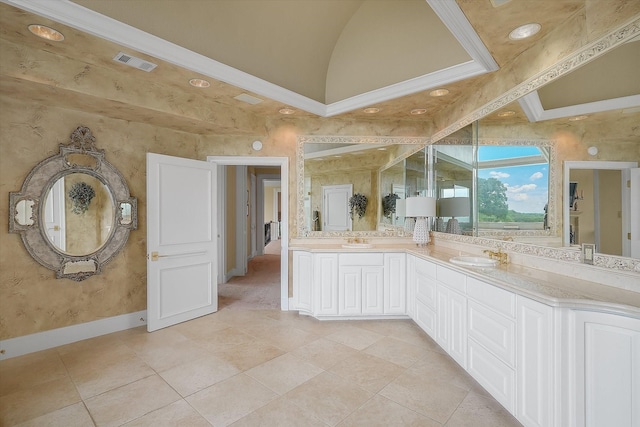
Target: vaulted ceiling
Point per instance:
(319, 57)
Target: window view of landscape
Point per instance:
(513, 184)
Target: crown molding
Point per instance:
(535, 112)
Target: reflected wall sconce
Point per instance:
(421, 208)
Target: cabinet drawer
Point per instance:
(453, 279)
(495, 332)
(361, 259)
(498, 299)
(426, 319)
(425, 268)
(426, 290)
(492, 374)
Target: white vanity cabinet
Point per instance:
(349, 284)
(607, 370)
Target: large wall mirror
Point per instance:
(331, 170)
(74, 211)
(544, 115)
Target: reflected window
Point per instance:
(513, 187)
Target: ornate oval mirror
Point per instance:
(74, 211)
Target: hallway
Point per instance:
(259, 289)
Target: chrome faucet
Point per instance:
(502, 257)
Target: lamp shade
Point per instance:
(420, 207)
(401, 208)
(454, 206)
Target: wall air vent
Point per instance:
(138, 63)
(248, 99)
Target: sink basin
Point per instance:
(357, 245)
(474, 261)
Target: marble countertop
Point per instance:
(547, 287)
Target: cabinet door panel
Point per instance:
(350, 290)
(442, 325)
(608, 370)
(535, 363)
(372, 290)
(395, 284)
(326, 284)
(458, 328)
(303, 280)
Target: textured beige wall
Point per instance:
(31, 299)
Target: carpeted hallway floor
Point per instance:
(259, 289)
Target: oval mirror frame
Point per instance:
(35, 189)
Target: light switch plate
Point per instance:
(588, 249)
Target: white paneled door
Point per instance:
(181, 240)
(335, 207)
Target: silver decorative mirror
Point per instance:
(74, 211)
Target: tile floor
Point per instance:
(245, 367)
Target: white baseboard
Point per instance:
(19, 346)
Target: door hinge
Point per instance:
(628, 183)
(628, 236)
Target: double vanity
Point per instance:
(553, 349)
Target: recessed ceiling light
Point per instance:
(507, 113)
(418, 111)
(577, 118)
(287, 111)
(199, 83)
(524, 31)
(382, 149)
(371, 110)
(46, 32)
(439, 92)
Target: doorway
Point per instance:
(283, 164)
(599, 205)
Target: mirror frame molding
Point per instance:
(333, 139)
(35, 188)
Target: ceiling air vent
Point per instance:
(138, 63)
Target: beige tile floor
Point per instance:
(248, 367)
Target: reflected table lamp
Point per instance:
(454, 207)
(401, 212)
(421, 208)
